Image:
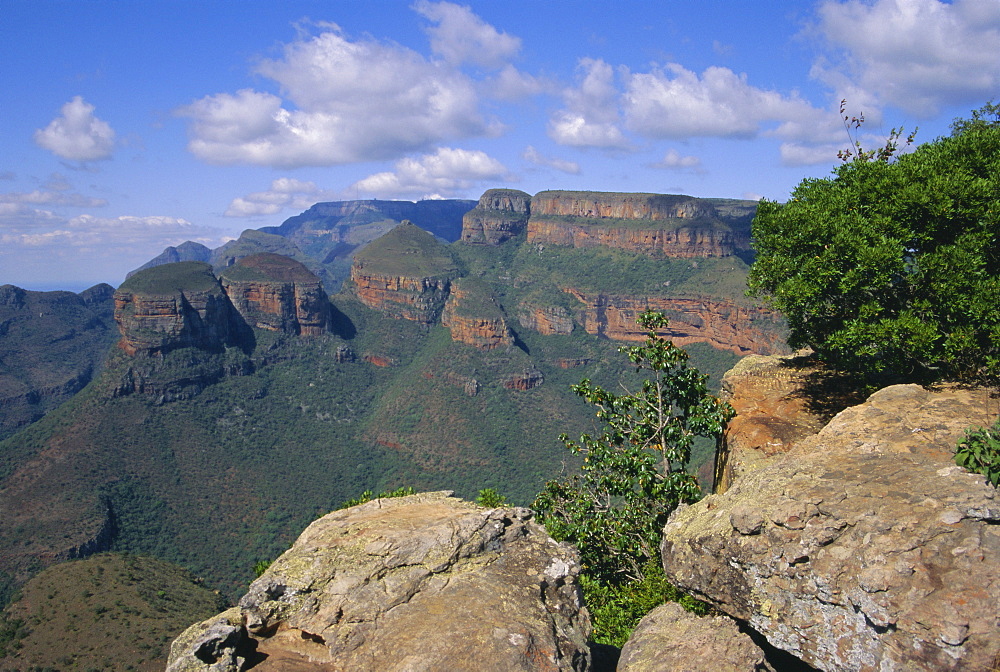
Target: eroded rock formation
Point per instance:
(723, 324)
(426, 582)
(173, 306)
(863, 547)
(500, 215)
(474, 316)
(277, 293)
(546, 320)
(405, 274)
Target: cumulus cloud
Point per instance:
(590, 117)
(342, 101)
(77, 134)
(919, 55)
(53, 198)
(512, 84)
(462, 37)
(534, 156)
(285, 192)
(673, 160)
(447, 173)
(674, 102)
(800, 154)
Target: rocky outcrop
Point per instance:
(546, 320)
(276, 293)
(772, 413)
(669, 639)
(863, 547)
(499, 215)
(405, 274)
(174, 306)
(662, 224)
(426, 582)
(474, 316)
(523, 381)
(722, 324)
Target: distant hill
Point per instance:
(51, 345)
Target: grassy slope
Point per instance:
(107, 612)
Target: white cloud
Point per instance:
(445, 174)
(590, 117)
(673, 160)
(343, 101)
(53, 198)
(462, 37)
(77, 134)
(799, 154)
(285, 192)
(512, 84)
(534, 156)
(673, 102)
(919, 55)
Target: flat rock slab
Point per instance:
(864, 548)
(427, 582)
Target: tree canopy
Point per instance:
(889, 268)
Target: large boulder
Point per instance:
(669, 639)
(862, 548)
(426, 582)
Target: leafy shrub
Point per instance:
(490, 498)
(367, 496)
(979, 452)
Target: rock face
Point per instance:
(500, 215)
(474, 316)
(546, 320)
(277, 293)
(862, 548)
(405, 274)
(673, 226)
(722, 324)
(669, 639)
(173, 306)
(772, 414)
(425, 582)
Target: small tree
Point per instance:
(634, 472)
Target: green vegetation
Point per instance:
(184, 276)
(888, 269)
(408, 251)
(107, 612)
(979, 452)
(490, 498)
(633, 473)
(367, 496)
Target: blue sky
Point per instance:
(129, 126)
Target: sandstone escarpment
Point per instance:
(276, 293)
(474, 316)
(661, 224)
(174, 306)
(500, 215)
(546, 320)
(425, 582)
(405, 274)
(723, 324)
(863, 547)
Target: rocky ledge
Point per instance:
(426, 582)
(861, 548)
(499, 215)
(474, 316)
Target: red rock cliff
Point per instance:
(723, 324)
(277, 293)
(474, 316)
(500, 215)
(173, 306)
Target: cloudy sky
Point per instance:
(129, 126)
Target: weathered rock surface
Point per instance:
(405, 274)
(669, 639)
(277, 293)
(426, 582)
(173, 306)
(474, 316)
(546, 320)
(722, 324)
(499, 215)
(772, 414)
(674, 226)
(862, 548)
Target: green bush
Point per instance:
(889, 268)
(490, 498)
(979, 452)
